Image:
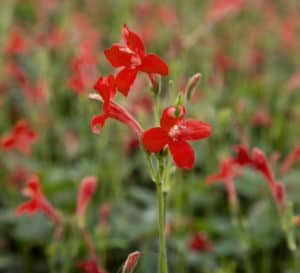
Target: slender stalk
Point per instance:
(163, 264)
(240, 232)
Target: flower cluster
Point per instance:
(173, 131)
(258, 161)
(37, 202)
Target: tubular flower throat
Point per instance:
(106, 88)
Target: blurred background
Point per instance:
(51, 53)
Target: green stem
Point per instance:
(163, 264)
(240, 232)
(156, 108)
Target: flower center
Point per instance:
(135, 61)
(175, 131)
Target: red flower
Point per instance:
(259, 162)
(106, 87)
(174, 131)
(90, 267)
(87, 189)
(226, 173)
(221, 8)
(83, 67)
(132, 58)
(242, 157)
(290, 159)
(16, 43)
(20, 137)
(37, 202)
(199, 241)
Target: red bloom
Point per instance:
(16, 43)
(226, 173)
(38, 202)
(174, 131)
(106, 87)
(90, 267)
(242, 157)
(131, 262)
(132, 58)
(288, 33)
(199, 241)
(83, 67)
(221, 8)
(259, 162)
(290, 159)
(20, 137)
(87, 189)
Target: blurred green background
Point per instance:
(248, 56)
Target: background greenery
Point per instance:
(246, 61)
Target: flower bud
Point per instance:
(192, 84)
(87, 189)
(131, 262)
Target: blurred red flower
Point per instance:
(228, 170)
(199, 241)
(90, 266)
(16, 43)
(174, 131)
(87, 188)
(290, 159)
(259, 162)
(21, 137)
(221, 8)
(37, 202)
(132, 58)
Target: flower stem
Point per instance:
(163, 264)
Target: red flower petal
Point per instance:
(183, 154)
(30, 207)
(152, 64)
(194, 129)
(155, 139)
(119, 113)
(133, 41)
(118, 55)
(125, 79)
(106, 87)
(8, 141)
(169, 119)
(98, 122)
(214, 177)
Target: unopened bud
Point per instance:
(192, 84)
(131, 262)
(86, 190)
